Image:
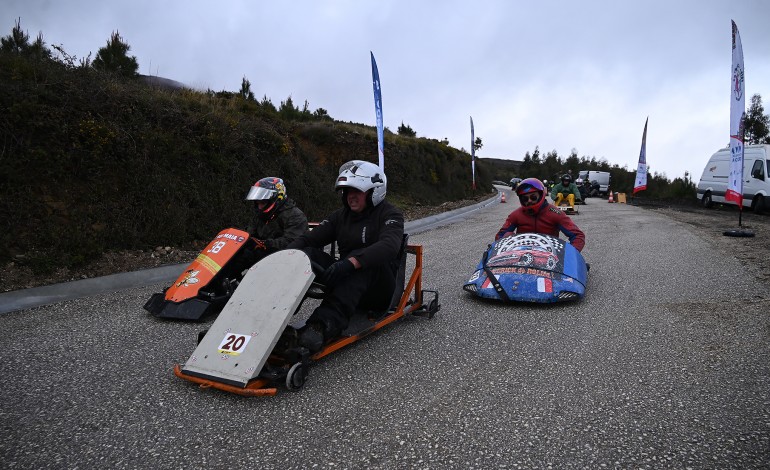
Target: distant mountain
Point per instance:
(161, 82)
(502, 169)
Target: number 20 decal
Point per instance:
(233, 344)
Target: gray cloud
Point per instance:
(554, 74)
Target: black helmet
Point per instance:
(270, 190)
(566, 179)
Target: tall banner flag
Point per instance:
(641, 171)
(378, 112)
(473, 156)
(737, 115)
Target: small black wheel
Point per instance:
(296, 377)
(526, 259)
(551, 263)
(433, 307)
(706, 200)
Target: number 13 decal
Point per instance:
(233, 344)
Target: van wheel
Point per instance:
(706, 201)
(758, 206)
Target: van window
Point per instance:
(758, 170)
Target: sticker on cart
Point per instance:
(233, 344)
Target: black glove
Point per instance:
(337, 272)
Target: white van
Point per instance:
(756, 180)
(601, 177)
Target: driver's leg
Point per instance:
(330, 319)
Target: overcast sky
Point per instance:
(554, 74)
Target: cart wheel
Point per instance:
(295, 379)
(433, 307)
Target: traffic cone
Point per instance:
(502, 197)
(610, 199)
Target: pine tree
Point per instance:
(757, 123)
(406, 130)
(246, 92)
(114, 57)
(16, 42)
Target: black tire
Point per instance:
(706, 201)
(433, 308)
(738, 233)
(758, 205)
(295, 378)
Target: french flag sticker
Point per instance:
(544, 285)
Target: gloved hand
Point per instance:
(259, 244)
(337, 272)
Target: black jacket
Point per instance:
(288, 223)
(373, 237)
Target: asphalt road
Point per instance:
(664, 364)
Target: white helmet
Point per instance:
(363, 176)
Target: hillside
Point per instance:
(501, 169)
(92, 162)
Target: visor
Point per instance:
(257, 193)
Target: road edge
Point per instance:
(44, 295)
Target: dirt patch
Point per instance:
(16, 275)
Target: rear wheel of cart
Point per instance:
(296, 377)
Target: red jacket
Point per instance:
(546, 219)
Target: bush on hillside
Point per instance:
(93, 161)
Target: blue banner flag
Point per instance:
(378, 112)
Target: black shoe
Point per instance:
(288, 340)
(311, 337)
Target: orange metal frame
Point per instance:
(407, 305)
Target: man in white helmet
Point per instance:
(368, 231)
